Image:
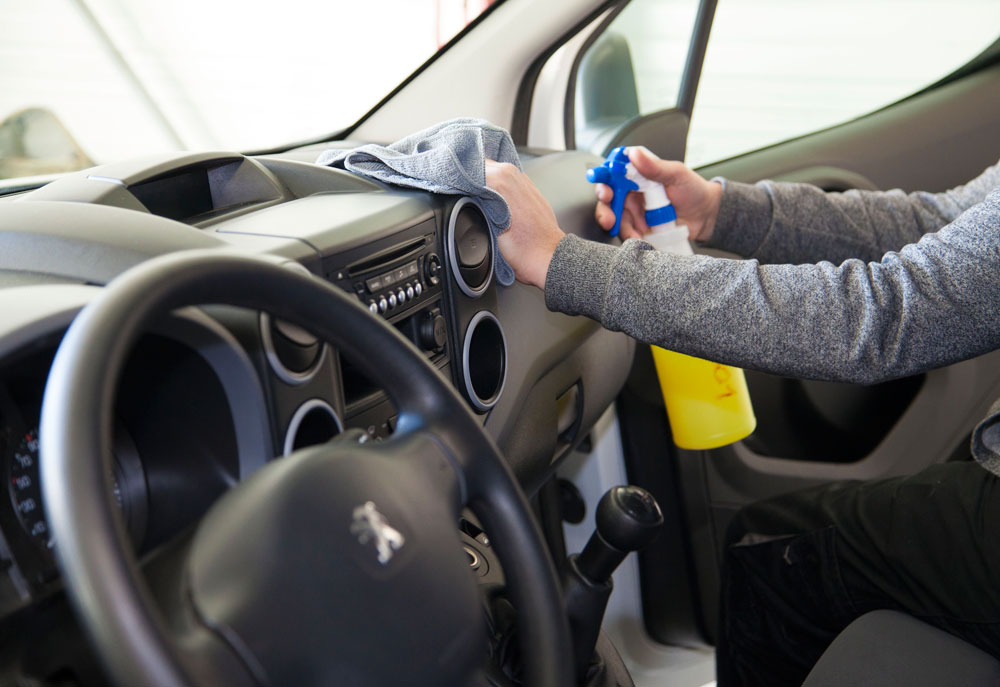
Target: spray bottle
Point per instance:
(708, 404)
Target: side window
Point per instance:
(633, 68)
(777, 69)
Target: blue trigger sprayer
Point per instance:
(614, 173)
(618, 173)
(708, 403)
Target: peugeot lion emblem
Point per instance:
(369, 525)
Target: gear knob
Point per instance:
(628, 519)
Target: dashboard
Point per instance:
(210, 394)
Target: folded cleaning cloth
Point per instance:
(449, 157)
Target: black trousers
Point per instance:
(798, 568)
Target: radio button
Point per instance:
(373, 306)
(374, 284)
(401, 296)
(392, 300)
(410, 293)
(383, 304)
(418, 288)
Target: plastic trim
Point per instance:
(453, 252)
(482, 404)
(300, 414)
(284, 374)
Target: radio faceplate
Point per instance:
(392, 277)
(401, 279)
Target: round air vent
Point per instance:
(484, 360)
(315, 422)
(470, 247)
(293, 353)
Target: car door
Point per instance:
(792, 92)
(935, 139)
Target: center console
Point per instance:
(401, 279)
(434, 281)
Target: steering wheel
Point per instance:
(340, 564)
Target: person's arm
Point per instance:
(796, 223)
(784, 222)
(933, 303)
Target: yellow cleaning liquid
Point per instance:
(707, 403)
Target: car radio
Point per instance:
(393, 276)
(399, 278)
(392, 280)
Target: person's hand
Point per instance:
(534, 232)
(695, 199)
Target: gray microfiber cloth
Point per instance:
(449, 157)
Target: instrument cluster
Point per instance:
(171, 457)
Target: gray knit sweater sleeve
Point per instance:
(932, 303)
(782, 222)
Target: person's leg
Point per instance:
(800, 567)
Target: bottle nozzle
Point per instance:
(614, 173)
(599, 175)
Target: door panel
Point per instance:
(810, 432)
(930, 142)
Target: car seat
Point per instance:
(891, 649)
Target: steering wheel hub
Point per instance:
(325, 562)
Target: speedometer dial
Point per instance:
(26, 492)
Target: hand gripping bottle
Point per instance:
(707, 403)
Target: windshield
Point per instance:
(84, 82)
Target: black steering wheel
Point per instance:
(340, 564)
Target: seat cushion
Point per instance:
(890, 649)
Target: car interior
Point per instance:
(270, 422)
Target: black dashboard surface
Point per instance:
(215, 392)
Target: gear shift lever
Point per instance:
(628, 518)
